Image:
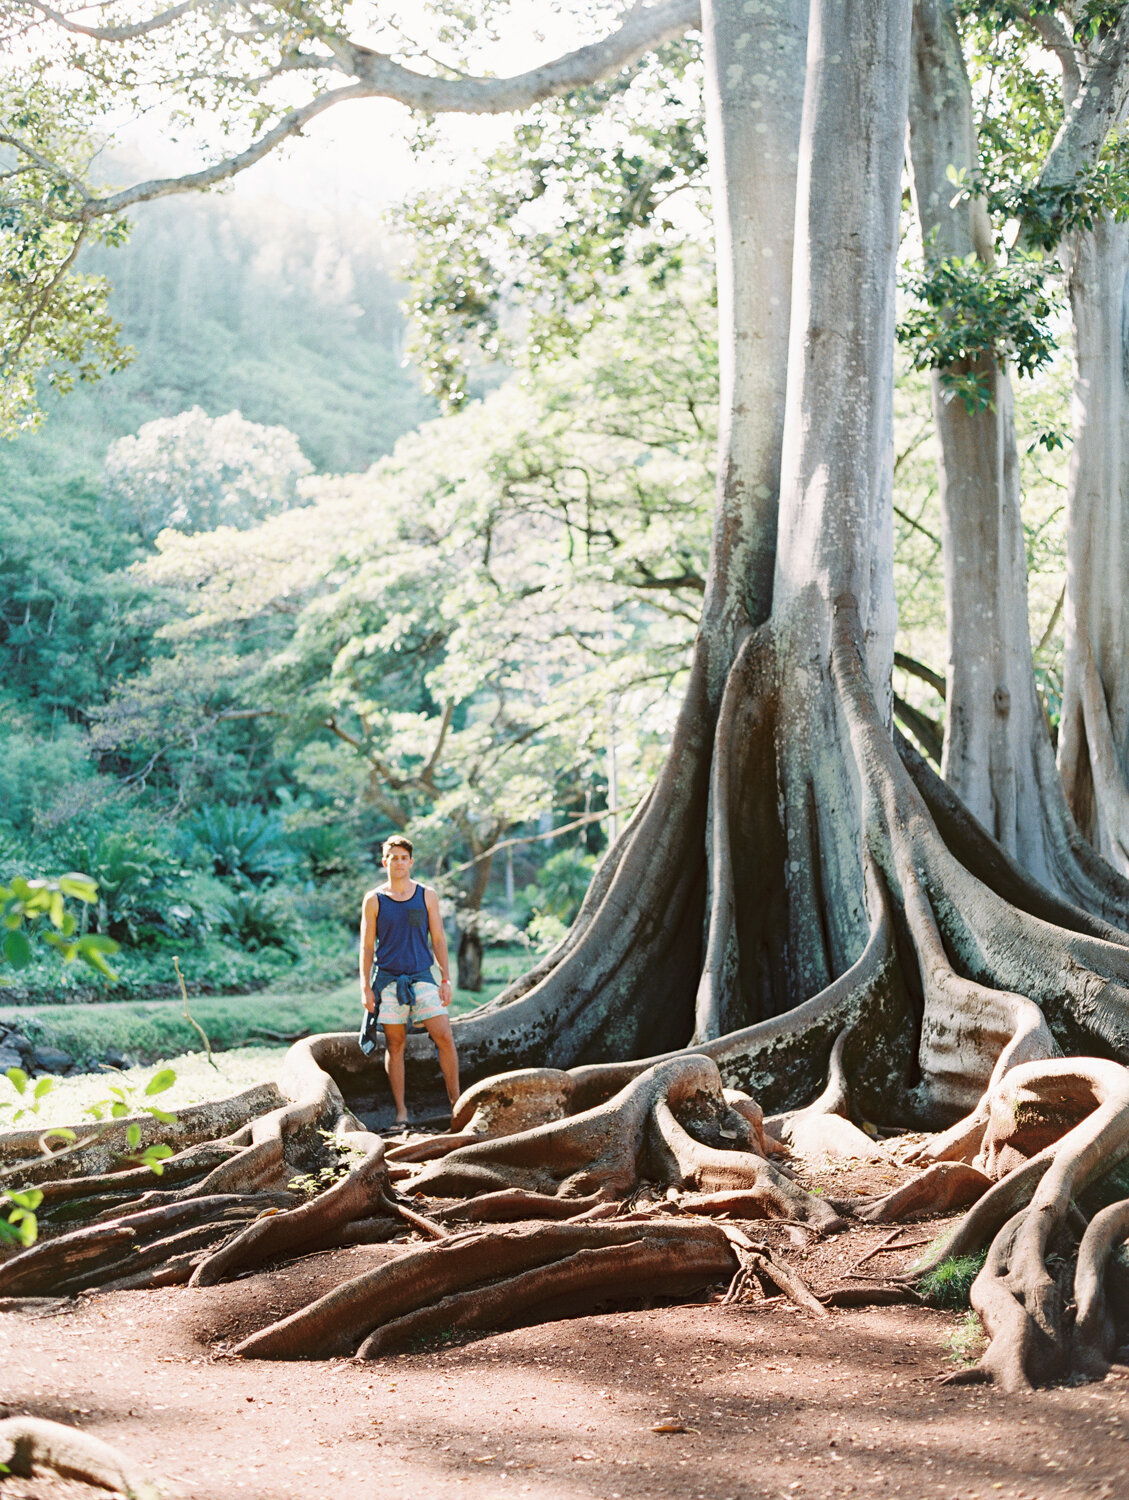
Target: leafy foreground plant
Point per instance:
(18, 1221)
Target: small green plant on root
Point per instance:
(949, 1284)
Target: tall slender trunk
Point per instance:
(1094, 734)
(997, 752)
(754, 99)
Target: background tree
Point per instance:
(198, 473)
(981, 315)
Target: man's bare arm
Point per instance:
(439, 943)
(368, 947)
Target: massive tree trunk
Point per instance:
(997, 752)
(1094, 733)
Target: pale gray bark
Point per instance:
(754, 103)
(1094, 733)
(997, 752)
(1093, 752)
(754, 100)
(836, 518)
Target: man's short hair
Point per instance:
(397, 841)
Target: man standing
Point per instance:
(396, 919)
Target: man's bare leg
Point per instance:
(394, 1037)
(439, 1030)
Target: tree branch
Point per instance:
(116, 33)
(920, 670)
(8, 359)
(429, 770)
(644, 26)
(1057, 40)
(1099, 104)
(537, 838)
(162, 187)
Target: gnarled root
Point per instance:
(485, 1278)
(313, 1225)
(672, 1125)
(654, 1262)
(1095, 1324)
(103, 1252)
(218, 1185)
(1058, 1126)
(823, 1131)
(31, 1444)
(943, 1186)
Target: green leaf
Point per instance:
(161, 1081)
(44, 1086)
(29, 1198)
(17, 949)
(97, 942)
(162, 1114)
(119, 1111)
(81, 887)
(133, 1137)
(60, 1132)
(17, 1078)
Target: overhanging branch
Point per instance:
(645, 25)
(116, 33)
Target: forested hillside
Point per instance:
(251, 307)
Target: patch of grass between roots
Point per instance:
(949, 1284)
(967, 1339)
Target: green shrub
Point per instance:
(260, 919)
(327, 849)
(240, 842)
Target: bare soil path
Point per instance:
(773, 1402)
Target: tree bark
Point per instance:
(997, 754)
(1094, 733)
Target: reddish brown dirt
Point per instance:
(777, 1404)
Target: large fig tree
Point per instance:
(789, 902)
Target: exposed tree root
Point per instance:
(31, 1444)
(968, 983)
(1096, 1325)
(86, 1257)
(943, 1186)
(757, 1265)
(312, 1225)
(27, 1154)
(649, 1264)
(671, 1125)
(512, 1204)
(343, 1319)
(823, 1131)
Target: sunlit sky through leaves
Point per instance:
(358, 158)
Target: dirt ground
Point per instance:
(773, 1402)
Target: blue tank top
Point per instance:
(401, 934)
